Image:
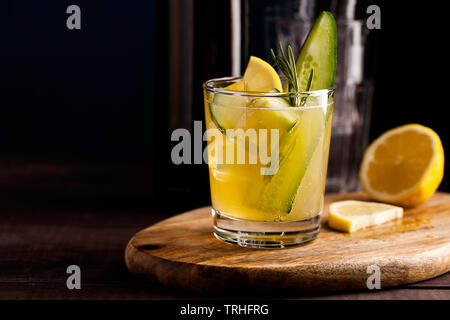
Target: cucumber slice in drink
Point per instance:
(297, 148)
(279, 113)
(279, 191)
(319, 53)
(229, 112)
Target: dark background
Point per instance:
(86, 111)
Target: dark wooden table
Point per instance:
(47, 225)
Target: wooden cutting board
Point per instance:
(182, 252)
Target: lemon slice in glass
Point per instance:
(261, 76)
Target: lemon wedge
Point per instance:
(404, 166)
(237, 86)
(352, 215)
(261, 76)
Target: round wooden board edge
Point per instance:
(219, 279)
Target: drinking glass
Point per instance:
(267, 163)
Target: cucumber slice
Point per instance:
(296, 150)
(319, 53)
(227, 110)
(284, 118)
(298, 146)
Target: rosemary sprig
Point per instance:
(289, 69)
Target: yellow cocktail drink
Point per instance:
(268, 143)
(267, 159)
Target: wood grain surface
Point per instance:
(182, 252)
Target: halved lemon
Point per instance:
(261, 76)
(403, 166)
(352, 215)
